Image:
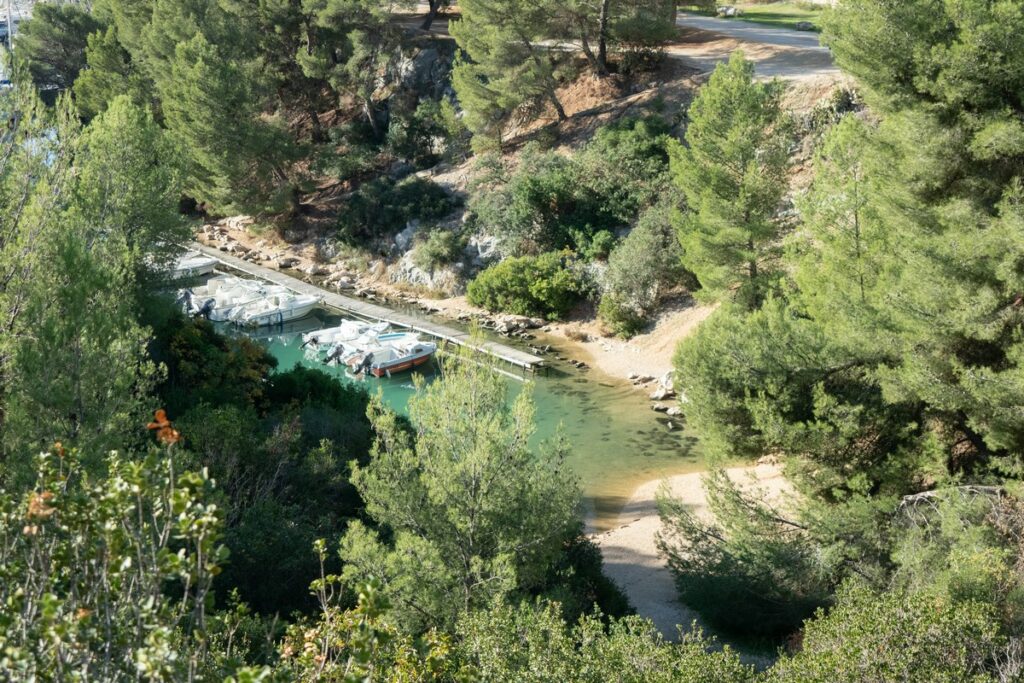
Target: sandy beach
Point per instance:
(631, 557)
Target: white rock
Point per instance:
(661, 394)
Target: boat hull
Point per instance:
(399, 365)
(280, 316)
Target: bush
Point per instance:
(600, 246)
(626, 165)
(429, 134)
(383, 207)
(546, 285)
(640, 270)
(439, 248)
(550, 201)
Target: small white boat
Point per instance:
(275, 308)
(391, 357)
(193, 264)
(222, 297)
(347, 331)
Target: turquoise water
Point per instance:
(617, 441)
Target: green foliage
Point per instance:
(53, 43)
(473, 514)
(351, 44)
(206, 367)
(84, 239)
(551, 201)
(211, 106)
(960, 544)
(383, 207)
(433, 132)
(535, 644)
(360, 644)
(506, 66)
(640, 270)
(626, 165)
(641, 30)
(439, 248)
(548, 285)
(894, 636)
(887, 369)
(732, 172)
(107, 578)
(751, 571)
(277, 444)
(111, 73)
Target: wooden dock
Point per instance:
(365, 309)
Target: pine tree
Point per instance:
(237, 160)
(507, 64)
(53, 43)
(732, 172)
(475, 513)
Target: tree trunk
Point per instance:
(595, 64)
(371, 116)
(558, 106)
(602, 38)
(435, 5)
(317, 133)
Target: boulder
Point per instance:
(667, 381)
(403, 240)
(674, 411)
(482, 250)
(660, 408)
(662, 394)
(804, 26)
(284, 262)
(315, 269)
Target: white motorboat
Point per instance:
(347, 331)
(391, 357)
(193, 264)
(222, 297)
(275, 308)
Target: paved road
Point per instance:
(777, 52)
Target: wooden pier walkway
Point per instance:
(365, 309)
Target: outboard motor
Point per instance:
(185, 301)
(206, 309)
(335, 354)
(366, 365)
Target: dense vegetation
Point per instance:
(874, 348)
(173, 507)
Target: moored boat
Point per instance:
(222, 297)
(348, 331)
(390, 358)
(275, 308)
(193, 264)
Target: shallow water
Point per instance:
(617, 441)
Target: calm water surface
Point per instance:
(617, 441)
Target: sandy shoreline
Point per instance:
(631, 557)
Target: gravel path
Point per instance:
(776, 52)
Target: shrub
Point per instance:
(546, 285)
(550, 201)
(439, 248)
(429, 134)
(382, 207)
(600, 245)
(626, 165)
(640, 269)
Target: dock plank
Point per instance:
(517, 357)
